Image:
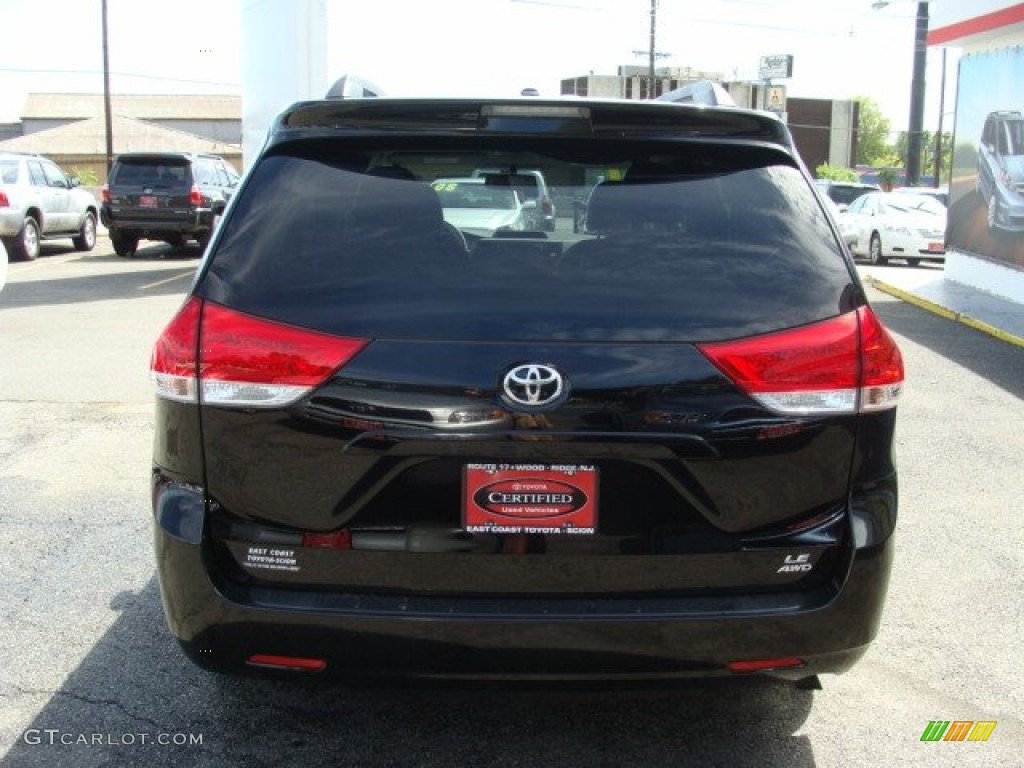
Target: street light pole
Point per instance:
(917, 89)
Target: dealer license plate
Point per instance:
(530, 498)
(147, 201)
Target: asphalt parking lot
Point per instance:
(93, 679)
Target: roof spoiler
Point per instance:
(703, 92)
(353, 87)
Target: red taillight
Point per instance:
(546, 207)
(4, 202)
(243, 360)
(841, 365)
(173, 364)
(882, 372)
(105, 193)
(195, 197)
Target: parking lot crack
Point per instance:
(92, 701)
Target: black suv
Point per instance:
(169, 196)
(658, 448)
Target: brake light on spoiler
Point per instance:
(847, 364)
(218, 356)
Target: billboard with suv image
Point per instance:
(986, 215)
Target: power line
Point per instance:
(16, 71)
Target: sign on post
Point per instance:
(776, 101)
(776, 67)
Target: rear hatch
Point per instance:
(666, 404)
(150, 188)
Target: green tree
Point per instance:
(887, 178)
(873, 130)
(835, 173)
(928, 152)
(86, 176)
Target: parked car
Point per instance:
(481, 208)
(842, 193)
(3, 265)
(532, 186)
(38, 201)
(657, 449)
(940, 194)
(168, 196)
(1001, 170)
(888, 225)
(846, 232)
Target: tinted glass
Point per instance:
(844, 195)
(154, 172)
(683, 244)
(1015, 137)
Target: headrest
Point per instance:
(394, 207)
(616, 207)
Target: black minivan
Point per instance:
(657, 448)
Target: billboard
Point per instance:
(986, 211)
(775, 67)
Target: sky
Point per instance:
(841, 48)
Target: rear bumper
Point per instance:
(1009, 214)
(11, 221)
(912, 247)
(222, 623)
(186, 222)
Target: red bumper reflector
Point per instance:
(295, 663)
(336, 540)
(763, 665)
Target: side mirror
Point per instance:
(74, 181)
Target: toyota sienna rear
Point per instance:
(657, 448)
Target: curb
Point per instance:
(949, 314)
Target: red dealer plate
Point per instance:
(147, 201)
(530, 498)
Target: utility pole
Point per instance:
(938, 134)
(106, 93)
(916, 127)
(652, 53)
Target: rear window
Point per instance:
(152, 172)
(473, 194)
(8, 171)
(654, 242)
(844, 195)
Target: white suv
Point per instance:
(39, 201)
(533, 186)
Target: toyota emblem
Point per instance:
(534, 386)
